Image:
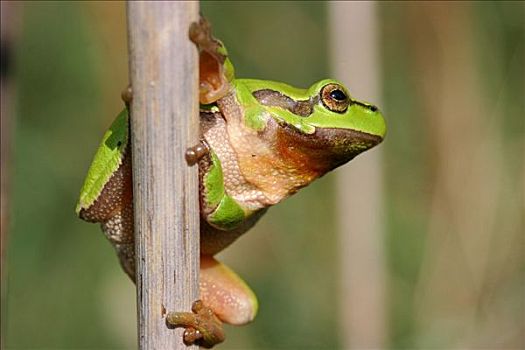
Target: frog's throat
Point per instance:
(280, 160)
(325, 149)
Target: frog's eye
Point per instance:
(335, 98)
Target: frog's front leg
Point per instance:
(215, 69)
(196, 153)
(224, 297)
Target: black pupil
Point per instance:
(338, 95)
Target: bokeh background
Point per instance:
(452, 81)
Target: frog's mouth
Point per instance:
(326, 148)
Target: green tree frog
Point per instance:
(261, 141)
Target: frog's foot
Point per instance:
(213, 83)
(202, 326)
(195, 153)
(200, 35)
(127, 96)
(225, 298)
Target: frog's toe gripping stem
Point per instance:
(213, 82)
(200, 35)
(195, 153)
(202, 326)
(127, 95)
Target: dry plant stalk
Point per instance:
(164, 122)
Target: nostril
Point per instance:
(373, 108)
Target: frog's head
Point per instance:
(324, 122)
(334, 107)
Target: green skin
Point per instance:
(270, 128)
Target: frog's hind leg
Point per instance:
(119, 231)
(114, 210)
(226, 293)
(118, 228)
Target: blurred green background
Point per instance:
(453, 82)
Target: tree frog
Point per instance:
(260, 142)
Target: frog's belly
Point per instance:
(214, 240)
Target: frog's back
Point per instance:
(255, 85)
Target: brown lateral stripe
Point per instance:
(273, 98)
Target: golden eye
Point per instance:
(335, 98)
